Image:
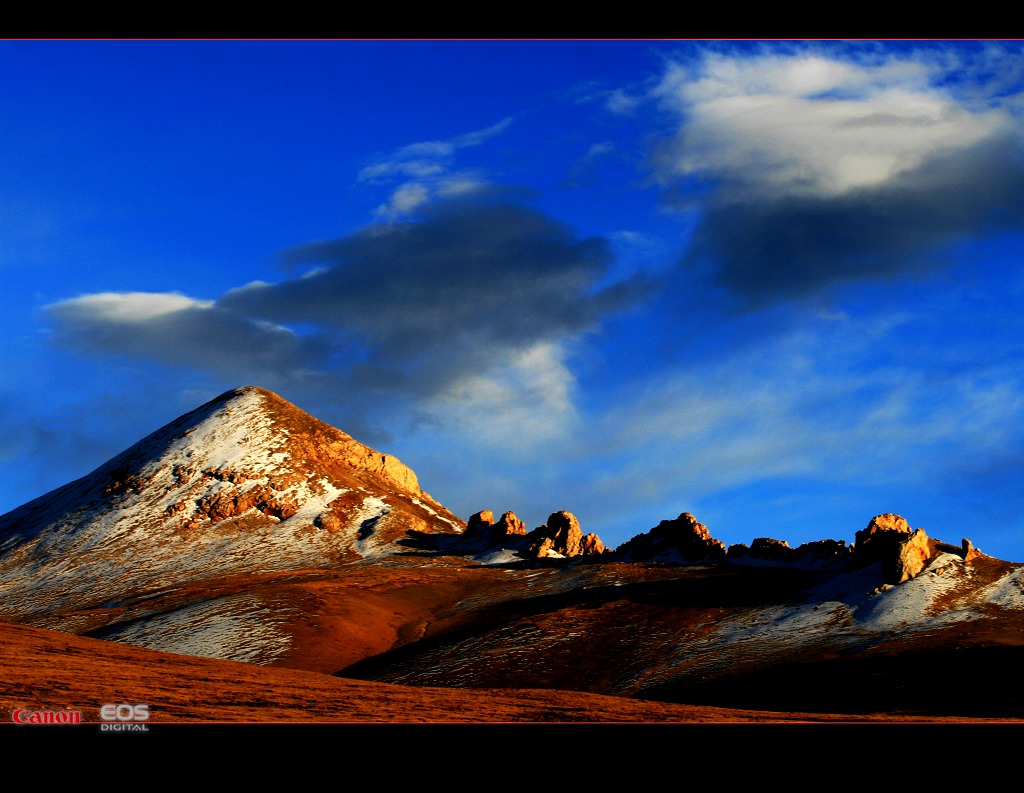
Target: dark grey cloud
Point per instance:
(446, 293)
(182, 332)
(384, 319)
(769, 250)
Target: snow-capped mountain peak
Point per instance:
(245, 483)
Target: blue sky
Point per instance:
(774, 284)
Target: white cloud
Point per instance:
(460, 184)
(182, 331)
(414, 195)
(126, 307)
(405, 199)
(811, 125)
(479, 136)
(621, 103)
(804, 168)
(520, 401)
(385, 172)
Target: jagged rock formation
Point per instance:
(682, 539)
(823, 551)
(968, 550)
(888, 538)
(561, 536)
(904, 552)
(888, 525)
(509, 525)
(766, 549)
(769, 548)
(481, 526)
(914, 555)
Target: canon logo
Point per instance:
(25, 716)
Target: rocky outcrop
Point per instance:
(763, 549)
(509, 525)
(771, 549)
(561, 536)
(233, 502)
(679, 540)
(968, 550)
(887, 528)
(903, 552)
(913, 556)
(481, 527)
(823, 551)
(329, 521)
(811, 554)
(888, 538)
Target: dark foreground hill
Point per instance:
(52, 671)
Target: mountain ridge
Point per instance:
(247, 530)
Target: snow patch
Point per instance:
(366, 521)
(1008, 591)
(434, 512)
(908, 605)
(233, 628)
(498, 556)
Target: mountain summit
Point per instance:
(247, 482)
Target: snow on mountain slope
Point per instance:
(236, 627)
(845, 612)
(244, 484)
(667, 631)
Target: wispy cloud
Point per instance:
(585, 164)
(815, 405)
(525, 399)
(425, 171)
